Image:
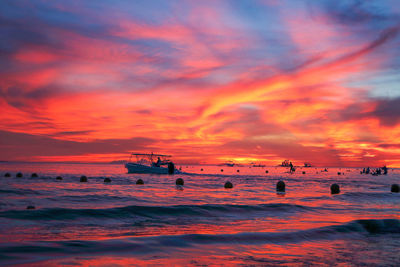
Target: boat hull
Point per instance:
(139, 168)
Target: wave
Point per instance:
(152, 211)
(139, 245)
(21, 192)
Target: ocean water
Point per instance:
(198, 224)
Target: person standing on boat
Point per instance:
(158, 163)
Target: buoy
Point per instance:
(19, 175)
(266, 171)
(280, 186)
(171, 168)
(139, 181)
(107, 180)
(304, 172)
(237, 170)
(83, 179)
(30, 207)
(395, 188)
(59, 178)
(339, 173)
(179, 181)
(7, 174)
(201, 169)
(34, 175)
(335, 189)
(222, 170)
(228, 185)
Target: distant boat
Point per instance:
(150, 163)
(307, 165)
(285, 163)
(259, 165)
(228, 164)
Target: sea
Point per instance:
(121, 223)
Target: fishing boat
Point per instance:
(150, 163)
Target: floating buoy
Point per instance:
(339, 173)
(171, 168)
(139, 181)
(237, 170)
(280, 186)
(30, 207)
(107, 180)
(34, 175)
(7, 174)
(59, 178)
(266, 171)
(19, 175)
(304, 172)
(228, 185)
(201, 169)
(335, 189)
(395, 188)
(83, 179)
(222, 170)
(179, 181)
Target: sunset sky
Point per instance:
(205, 81)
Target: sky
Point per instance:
(205, 81)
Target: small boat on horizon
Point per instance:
(151, 163)
(228, 164)
(258, 165)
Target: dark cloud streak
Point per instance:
(11, 145)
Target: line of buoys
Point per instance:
(335, 189)
(34, 175)
(280, 186)
(30, 207)
(395, 188)
(228, 185)
(179, 181)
